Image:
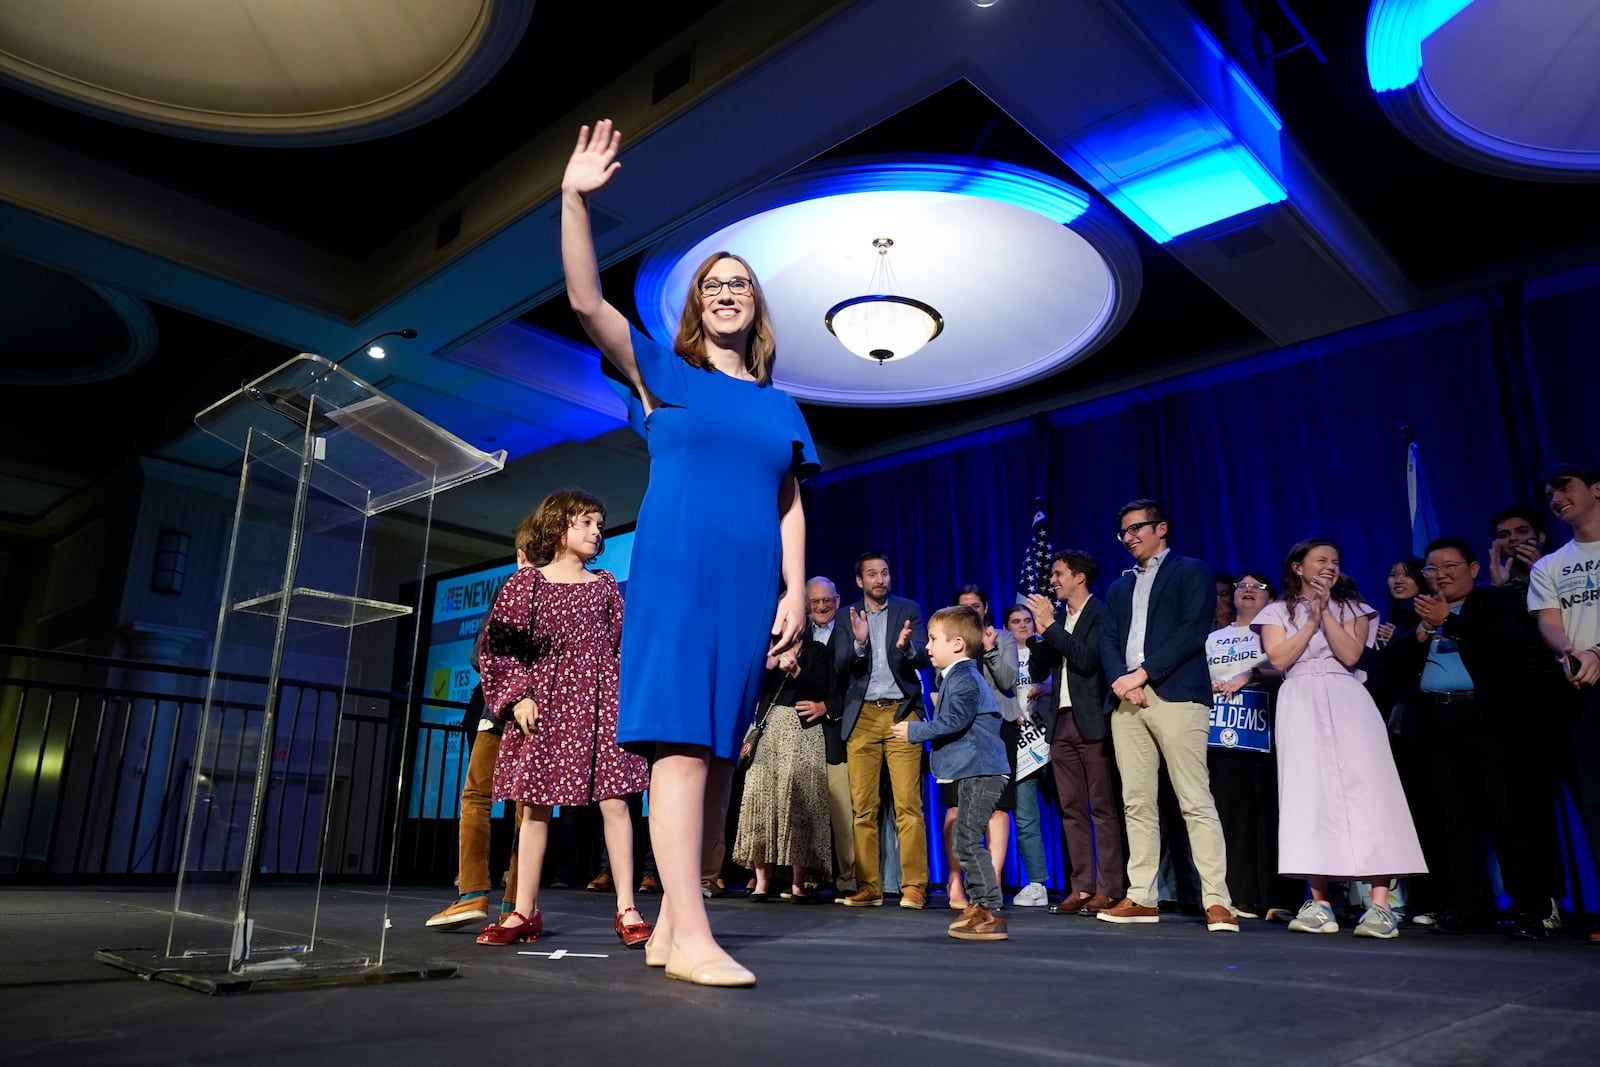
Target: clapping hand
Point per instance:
(1044, 611)
(858, 626)
(594, 160)
(1317, 592)
(1385, 633)
(904, 642)
(1432, 609)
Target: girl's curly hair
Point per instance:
(541, 534)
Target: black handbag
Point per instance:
(752, 736)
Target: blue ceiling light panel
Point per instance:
(1174, 164)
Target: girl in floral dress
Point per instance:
(549, 669)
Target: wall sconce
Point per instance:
(172, 562)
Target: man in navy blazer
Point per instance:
(1152, 648)
(889, 644)
(1067, 651)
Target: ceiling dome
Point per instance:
(260, 73)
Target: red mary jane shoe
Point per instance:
(633, 935)
(526, 930)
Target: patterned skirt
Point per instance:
(783, 816)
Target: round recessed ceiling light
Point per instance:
(1027, 274)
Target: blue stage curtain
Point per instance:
(1250, 456)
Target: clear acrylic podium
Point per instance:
(287, 784)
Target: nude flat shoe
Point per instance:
(727, 975)
(655, 955)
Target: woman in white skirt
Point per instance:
(1341, 811)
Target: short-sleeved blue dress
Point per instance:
(706, 570)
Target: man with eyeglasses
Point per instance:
(1479, 749)
(822, 610)
(1152, 648)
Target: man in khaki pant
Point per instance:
(1152, 648)
(887, 647)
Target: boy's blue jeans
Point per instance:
(977, 797)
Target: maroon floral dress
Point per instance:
(557, 643)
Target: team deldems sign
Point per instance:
(1242, 720)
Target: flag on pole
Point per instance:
(1035, 574)
(1424, 524)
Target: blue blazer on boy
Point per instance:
(965, 728)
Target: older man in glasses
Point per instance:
(1479, 748)
(1152, 648)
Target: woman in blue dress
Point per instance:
(720, 539)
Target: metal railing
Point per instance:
(97, 771)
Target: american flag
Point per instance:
(1035, 574)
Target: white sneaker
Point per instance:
(1032, 895)
(1314, 918)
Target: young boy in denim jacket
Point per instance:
(967, 750)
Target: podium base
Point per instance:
(210, 975)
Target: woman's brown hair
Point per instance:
(761, 346)
(541, 534)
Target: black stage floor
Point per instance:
(875, 986)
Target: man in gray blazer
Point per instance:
(889, 644)
(1067, 651)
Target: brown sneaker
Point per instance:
(912, 897)
(1073, 905)
(984, 925)
(861, 898)
(1126, 911)
(966, 913)
(1221, 918)
(461, 913)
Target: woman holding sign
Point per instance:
(1341, 811)
(1244, 776)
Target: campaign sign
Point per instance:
(1241, 721)
(1033, 747)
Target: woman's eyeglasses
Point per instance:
(736, 286)
(1250, 587)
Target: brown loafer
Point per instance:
(1221, 919)
(1098, 903)
(861, 898)
(601, 883)
(983, 925)
(1073, 905)
(1126, 911)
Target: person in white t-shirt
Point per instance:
(1564, 597)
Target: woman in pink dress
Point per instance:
(549, 663)
(1341, 810)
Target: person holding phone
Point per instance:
(1564, 598)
